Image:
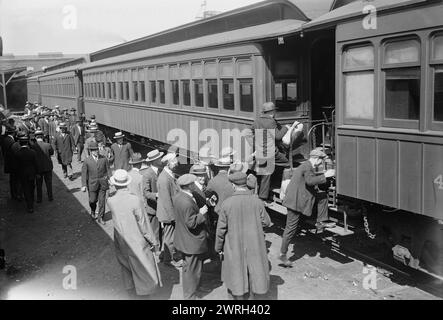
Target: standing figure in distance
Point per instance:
(95, 175)
(78, 134)
(122, 152)
(44, 151)
(64, 146)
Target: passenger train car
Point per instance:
(379, 63)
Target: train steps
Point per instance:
(341, 228)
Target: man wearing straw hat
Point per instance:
(133, 239)
(167, 188)
(95, 175)
(190, 235)
(122, 152)
(136, 185)
(64, 146)
(150, 191)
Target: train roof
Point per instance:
(354, 9)
(248, 16)
(245, 35)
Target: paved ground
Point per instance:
(60, 233)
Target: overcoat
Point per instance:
(301, 190)
(65, 148)
(221, 186)
(122, 155)
(44, 151)
(190, 236)
(136, 186)
(8, 154)
(167, 188)
(131, 232)
(150, 189)
(78, 133)
(240, 236)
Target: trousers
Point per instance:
(192, 270)
(168, 249)
(28, 186)
(47, 176)
(99, 196)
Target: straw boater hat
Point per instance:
(198, 169)
(169, 157)
(153, 155)
(119, 135)
(121, 178)
(136, 158)
(38, 133)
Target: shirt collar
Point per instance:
(155, 169)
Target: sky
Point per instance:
(84, 26)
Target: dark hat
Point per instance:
(198, 169)
(186, 179)
(93, 145)
(136, 158)
(153, 155)
(238, 178)
(22, 136)
(93, 116)
(316, 153)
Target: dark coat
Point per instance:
(8, 154)
(267, 122)
(167, 188)
(65, 148)
(190, 236)
(44, 126)
(78, 134)
(44, 151)
(301, 190)
(150, 189)
(221, 186)
(26, 163)
(95, 174)
(240, 236)
(122, 155)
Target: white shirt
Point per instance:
(198, 185)
(155, 169)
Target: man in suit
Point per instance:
(301, 195)
(64, 146)
(10, 166)
(44, 151)
(78, 134)
(122, 152)
(150, 191)
(27, 164)
(95, 175)
(190, 236)
(52, 129)
(167, 188)
(43, 124)
(105, 151)
(133, 239)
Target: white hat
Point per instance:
(119, 135)
(169, 157)
(227, 152)
(121, 178)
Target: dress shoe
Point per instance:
(284, 260)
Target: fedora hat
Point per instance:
(121, 178)
(93, 145)
(119, 135)
(223, 162)
(153, 155)
(198, 169)
(136, 158)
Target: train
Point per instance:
(365, 77)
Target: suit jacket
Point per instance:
(167, 188)
(64, 147)
(190, 236)
(78, 134)
(8, 154)
(95, 174)
(122, 155)
(44, 151)
(221, 186)
(44, 126)
(52, 126)
(26, 163)
(301, 190)
(150, 189)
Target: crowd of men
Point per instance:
(215, 212)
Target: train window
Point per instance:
(175, 92)
(359, 95)
(226, 68)
(135, 88)
(142, 91)
(228, 94)
(186, 88)
(161, 88)
(437, 52)
(109, 91)
(114, 91)
(212, 93)
(406, 51)
(285, 92)
(198, 93)
(402, 95)
(359, 57)
(244, 68)
(120, 90)
(438, 94)
(246, 95)
(103, 90)
(126, 91)
(153, 92)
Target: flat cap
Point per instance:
(268, 106)
(197, 169)
(238, 178)
(316, 153)
(186, 179)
